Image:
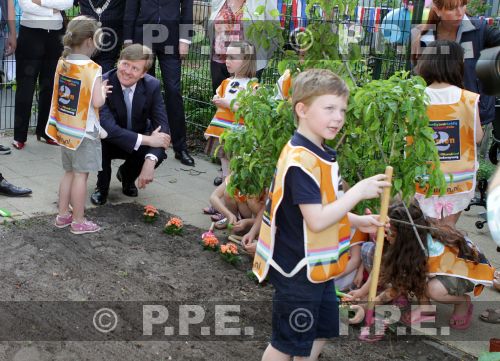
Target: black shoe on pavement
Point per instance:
(185, 158)
(218, 181)
(99, 197)
(4, 150)
(8, 189)
(128, 188)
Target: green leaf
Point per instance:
(274, 13)
(260, 10)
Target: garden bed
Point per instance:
(130, 260)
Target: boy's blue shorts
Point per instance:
(302, 312)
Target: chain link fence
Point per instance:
(381, 27)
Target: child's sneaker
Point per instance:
(84, 227)
(63, 221)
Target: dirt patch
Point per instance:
(128, 261)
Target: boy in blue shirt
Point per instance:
(306, 228)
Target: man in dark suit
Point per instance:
(165, 26)
(110, 14)
(135, 121)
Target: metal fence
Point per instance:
(384, 25)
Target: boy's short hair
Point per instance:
(313, 83)
(138, 52)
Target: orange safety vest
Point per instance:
(326, 252)
(71, 102)
(445, 260)
(224, 117)
(455, 137)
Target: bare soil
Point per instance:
(130, 264)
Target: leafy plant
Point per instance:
(387, 124)
(174, 226)
(150, 213)
(229, 253)
(255, 148)
(477, 7)
(486, 169)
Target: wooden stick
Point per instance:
(235, 239)
(377, 259)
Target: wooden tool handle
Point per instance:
(384, 207)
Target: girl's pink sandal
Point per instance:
(462, 322)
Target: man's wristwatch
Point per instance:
(152, 157)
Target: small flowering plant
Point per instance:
(209, 241)
(174, 226)
(150, 213)
(229, 253)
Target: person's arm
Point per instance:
(318, 217)
(30, 7)
(55, 4)
(216, 201)
(100, 91)
(358, 278)
(361, 293)
(11, 22)
(130, 17)
(252, 234)
(354, 260)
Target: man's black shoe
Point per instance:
(99, 197)
(4, 150)
(185, 158)
(8, 189)
(129, 189)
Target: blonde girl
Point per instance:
(78, 94)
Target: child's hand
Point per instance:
(231, 219)
(358, 279)
(368, 224)
(105, 88)
(248, 239)
(357, 295)
(371, 187)
(242, 224)
(221, 102)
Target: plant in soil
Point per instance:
(209, 241)
(150, 213)
(229, 253)
(173, 226)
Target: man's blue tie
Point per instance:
(128, 104)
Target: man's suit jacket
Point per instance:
(170, 13)
(148, 112)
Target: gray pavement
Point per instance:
(183, 191)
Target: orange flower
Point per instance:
(209, 240)
(174, 221)
(150, 209)
(232, 248)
